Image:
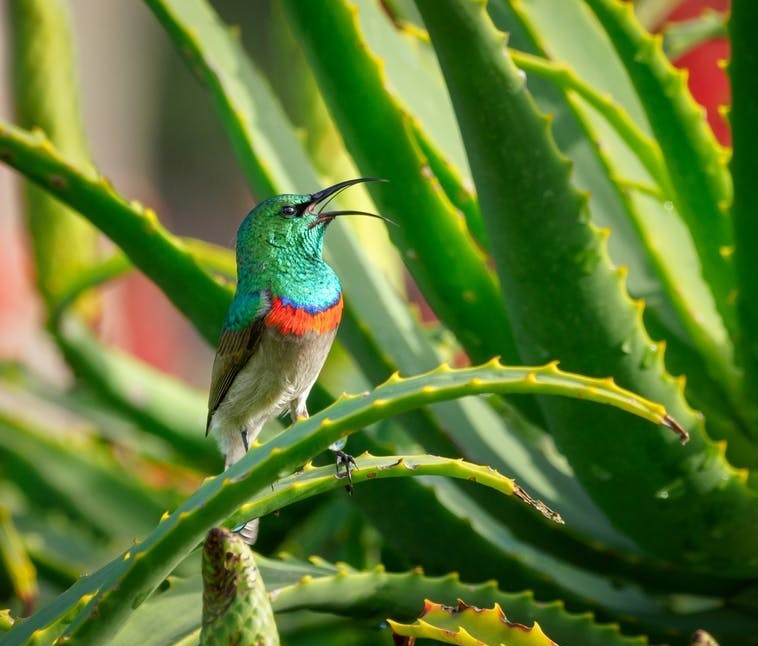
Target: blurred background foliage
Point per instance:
(97, 441)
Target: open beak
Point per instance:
(320, 200)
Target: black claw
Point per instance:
(345, 460)
(243, 433)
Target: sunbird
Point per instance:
(280, 325)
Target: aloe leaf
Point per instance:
(236, 609)
(470, 541)
(133, 228)
(469, 626)
(17, 564)
(592, 58)
(178, 598)
(725, 423)
(59, 547)
(695, 160)
(707, 337)
(95, 274)
(480, 436)
(657, 226)
(212, 257)
(57, 472)
(436, 246)
(156, 402)
(218, 58)
(683, 36)
(585, 48)
(355, 594)
(470, 428)
(413, 76)
(644, 147)
(744, 122)
(600, 80)
(131, 578)
(311, 481)
(457, 191)
(560, 265)
(50, 635)
(332, 527)
(370, 595)
(46, 98)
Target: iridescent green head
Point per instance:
(286, 232)
(290, 225)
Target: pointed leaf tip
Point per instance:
(670, 422)
(538, 505)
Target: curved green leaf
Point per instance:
(468, 626)
(744, 120)
(560, 266)
(126, 582)
(311, 481)
(600, 82)
(46, 98)
(320, 586)
(413, 76)
(133, 228)
(370, 595)
(696, 162)
(709, 339)
(16, 562)
(156, 402)
(58, 473)
(644, 147)
(437, 248)
(585, 48)
(656, 224)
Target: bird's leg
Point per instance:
(299, 411)
(243, 433)
(344, 460)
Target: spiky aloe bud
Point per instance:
(236, 609)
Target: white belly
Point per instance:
(282, 370)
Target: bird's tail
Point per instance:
(249, 531)
(235, 451)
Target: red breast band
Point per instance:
(289, 319)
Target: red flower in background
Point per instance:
(708, 81)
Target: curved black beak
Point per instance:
(323, 197)
(332, 191)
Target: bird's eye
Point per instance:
(288, 210)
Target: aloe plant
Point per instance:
(562, 204)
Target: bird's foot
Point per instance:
(345, 460)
